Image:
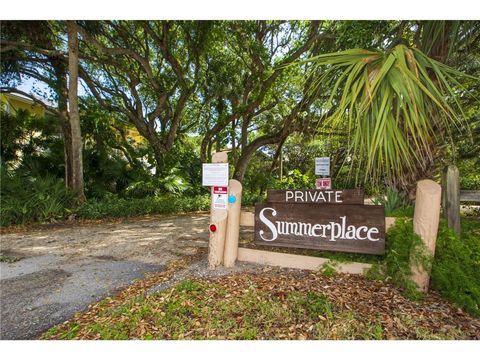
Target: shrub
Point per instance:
(112, 206)
(296, 180)
(28, 199)
(249, 198)
(403, 247)
(455, 271)
(394, 203)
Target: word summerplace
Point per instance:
(331, 230)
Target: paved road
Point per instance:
(64, 270)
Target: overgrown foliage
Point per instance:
(395, 204)
(394, 105)
(403, 249)
(113, 206)
(26, 199)
(455, 271)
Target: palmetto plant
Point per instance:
(397, 107)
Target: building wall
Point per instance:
(12, 103)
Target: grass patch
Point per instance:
(9, 259)
(328, 269)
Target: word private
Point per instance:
(350, 196)
(328, 196)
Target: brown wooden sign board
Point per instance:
(348, 228)
(350, 196)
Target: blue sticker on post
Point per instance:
(232, 199)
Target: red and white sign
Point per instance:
(323, 183)
(220, 197)
(220, 190)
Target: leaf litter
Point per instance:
(269, 303)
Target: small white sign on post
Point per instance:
(322, 166)
(215, 174)
(220, 201)
(220, 197)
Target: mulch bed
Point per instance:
(371, 302)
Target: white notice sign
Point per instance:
(322, 166)
(215, 174)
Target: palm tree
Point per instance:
(398, 106)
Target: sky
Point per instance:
(33, 86)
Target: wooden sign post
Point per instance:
(233, 223)
(218, 223)
(452, 198)
(425, 224)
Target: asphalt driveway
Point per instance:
(63, 270)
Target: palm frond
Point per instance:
(396, 105)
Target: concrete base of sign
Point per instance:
(296, 261)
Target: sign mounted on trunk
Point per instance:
(348, 228)
(215, 174)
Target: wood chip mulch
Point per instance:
(371, 301)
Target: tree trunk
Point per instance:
(242, 162)
(74, 117)
(158, 153)
(62, 92)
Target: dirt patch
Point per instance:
(152, 240)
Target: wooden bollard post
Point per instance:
(233, 223)
(425, 224)
(218, 219)
(452, 198)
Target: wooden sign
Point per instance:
(353, 196)
(348, 228)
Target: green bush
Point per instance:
(394, 203)
(112, 206)
(296, 180)
(249, 198)
(32, 199)
(456, 269)
(403, 247)
(469, 174)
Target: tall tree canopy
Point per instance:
(381, 97)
